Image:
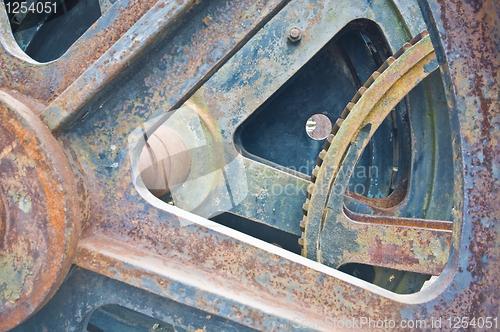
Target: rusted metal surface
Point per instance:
(330, 236)
(192, 286)
(97, 291)
(133, 237)
(40, 213)
(187, 65)
(163, 84)
(117, 57)
(247, 80)
(45, 82)
(468, 33)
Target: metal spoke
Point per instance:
(406, 244)
(249, 78)
(255, 191)
(430, 161)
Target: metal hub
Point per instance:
(43, 220)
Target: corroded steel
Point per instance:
(41, 83)
(330, 234)
(131, 236)
(41, 211)
(188, 62)
(246, 81)
(223, 29)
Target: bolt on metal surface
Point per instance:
(294, 35)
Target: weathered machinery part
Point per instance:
(322, 85)
(45, 82)
(46, 34)
(61, 29)
(118, 307)
(200, 264)
(165, 161)
(259, 191)
(320, 88)
(40, 213)
(228, 33)
(330, 234)
(244, 187)
(195, 151)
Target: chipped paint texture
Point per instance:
(234, 265)
(133, 237)
(15, 265)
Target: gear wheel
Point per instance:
(334, 235)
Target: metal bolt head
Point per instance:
(294, 35)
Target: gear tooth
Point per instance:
(372, 79)
(369, 82)
(305, 207)
(302, 242)
(347, 110)
(328, 141)
(314, 174)
(419, 37)
(302, 225)
(350, 106)
(336, 126)
(345, 113)
(358, 94)
(403, 49)
(321, 157)
(386, 64)
(309, 191)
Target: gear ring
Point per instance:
(333, 235)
